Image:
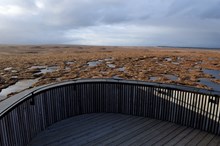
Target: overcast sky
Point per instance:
(111, 22)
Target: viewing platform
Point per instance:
(111, 112)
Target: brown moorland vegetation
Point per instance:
(152, 64)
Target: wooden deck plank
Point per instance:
(151, 134)
(188, 137)
(60, 129)
(146, 132)
(131, 129)
(78, 128)
(161, 135)
(170, 136)
(197, 139)
(179, 137)
(118, 139)
(103, 131)
(206, 140)
(215, 141)
(73, 121)
(91, 131)
(119, 129)
(127, 125)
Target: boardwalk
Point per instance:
(119, 129)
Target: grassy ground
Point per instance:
(140, 63)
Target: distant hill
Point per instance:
(189, 47)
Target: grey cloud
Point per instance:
(195, 9)
(212, 13)
(87, 13)
(171, 22)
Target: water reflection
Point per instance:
(153, 78)
(214, 73)
(111, 65)
(93, 63)
(48, 69)
(19, 86)
(171, 77)
(209, 83)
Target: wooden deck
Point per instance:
(119, 129)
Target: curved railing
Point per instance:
(24, 115)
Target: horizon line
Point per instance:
(63, 44)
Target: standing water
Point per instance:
(19, 86)
(214, 73)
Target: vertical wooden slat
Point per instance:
(201, 119)
(198, 111)
(191, 110)
(211, 114)
(149, 96)
(173, 111)
(178, 97)
(180, 107)
(3, 137)
(186, 112)
(151, 102)
(207, 113)
(217, 114)
(204, 120)
(157, 96)
(154, 103)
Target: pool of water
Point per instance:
(171, 77)
(111, 65)
(168, 59)
(108, 59)
(8, 68)
(69, 62)
(206, 81)
(122, 69)
(38, 67)
(153, 78)
(48, 69)
(209, 83)
(17, 87)
(210, 58)
(117, 77)
(67, 68)
(93, 63)
(214, 73)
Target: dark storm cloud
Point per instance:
(111, 22)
